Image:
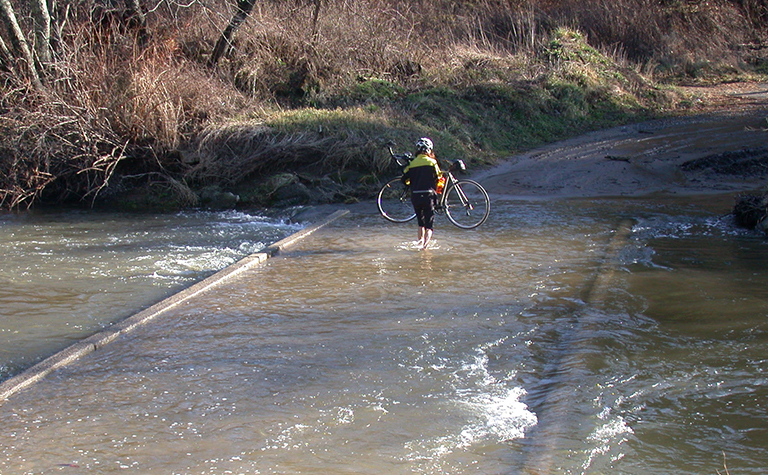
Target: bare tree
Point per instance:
(20, 47)
(42, 19)
(243, 9)
(6, 58)
(315, 18)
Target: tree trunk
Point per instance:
(315, 17)
(6, 58)
(136, 20)
(58, 19)
(42, 19)
(242, 11)
(19, 43)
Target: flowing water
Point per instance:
(66, 275)
(580, 336)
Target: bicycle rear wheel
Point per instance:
(467, 204)
(394, 202)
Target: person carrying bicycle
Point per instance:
(422, 175)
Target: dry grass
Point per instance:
(112, 108)
(319, 141)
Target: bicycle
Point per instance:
(465, 202)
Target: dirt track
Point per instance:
(724, 149)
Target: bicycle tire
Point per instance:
(394, 202)
(469, 213)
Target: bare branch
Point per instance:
(243, 9)
(19, 42)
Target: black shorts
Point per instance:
(424, 205)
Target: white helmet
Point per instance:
(424, 145)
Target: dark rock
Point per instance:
(216, 199)
(750, 210)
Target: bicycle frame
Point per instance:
(465, 208)
(451, 181)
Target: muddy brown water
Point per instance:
(572, 336)
(66, 275)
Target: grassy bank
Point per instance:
(507, 105)
(301, 106)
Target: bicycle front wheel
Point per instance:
(394, 202)
(467, 204)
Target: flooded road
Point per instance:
(66, 275)
(576, 336)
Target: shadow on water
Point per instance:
(553, 339)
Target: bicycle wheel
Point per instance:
(394, 202)
(467, 204)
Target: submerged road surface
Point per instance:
(578, 336)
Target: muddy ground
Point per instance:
(724, 149)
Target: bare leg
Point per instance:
(427, 237)
(422, 235)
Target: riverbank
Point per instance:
(298, 112)
(722, 150)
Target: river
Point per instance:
(568, 336)
(66, 275)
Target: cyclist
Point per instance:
(422, 175)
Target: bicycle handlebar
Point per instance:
(402, 159)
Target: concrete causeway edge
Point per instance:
(87, 345)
